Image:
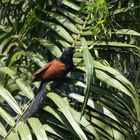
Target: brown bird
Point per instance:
(51, 71)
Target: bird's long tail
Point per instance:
(36, 101)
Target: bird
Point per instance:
(54, 70)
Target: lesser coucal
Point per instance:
(51, 71)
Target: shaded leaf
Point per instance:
(59, 30)
(89, 72)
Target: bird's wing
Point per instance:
(46, 66)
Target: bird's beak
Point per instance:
(73, 50)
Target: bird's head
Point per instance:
(69, 51)
(67, 55)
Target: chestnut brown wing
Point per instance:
(39, 71)
(50, 71)
(46, 66)
(55, 71)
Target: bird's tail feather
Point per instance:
(36, 101)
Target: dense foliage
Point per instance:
(99, 99)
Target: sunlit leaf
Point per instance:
(25, 88)
(66, 111)
(10, 100)
(7, 117)
(70, 15)
(127, 32)
(70, 4)
(3, 132)
(24, 131)
(65, 22)
(38, 129)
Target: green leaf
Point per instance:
(89, 72)
(14, 58)
(7, 117)
(65, 22)
(65, 108)
(3, 132)
(50, 46)
(80, 98)
(107, 45)
(127, 32)
(24, 131)
(69, 4)
(8, 71)
(4, 44)
(27, 23)
(116, 80)
(64, 43)
(38, 129)
(114, 74)
(50, 110)
(85, 123)
(36, 58)
(57, 130)
(10, 100)
(51, 130)
(70, 15)
(25, 88)
(124, 10)
(13, 136)
(59, 30)
(20, 83)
